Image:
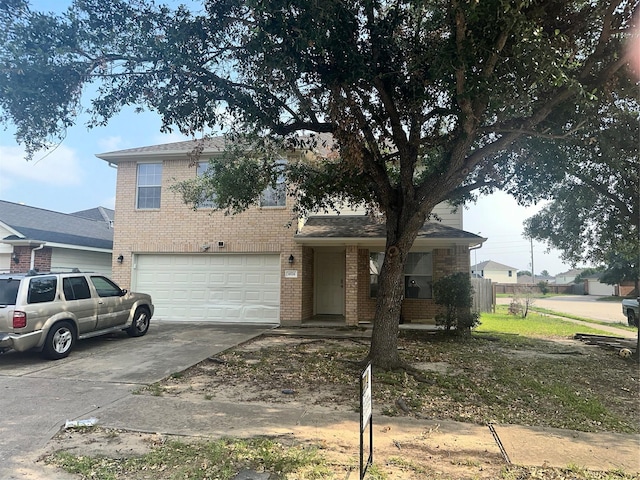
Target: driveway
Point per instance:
(38, 396)
(586, 306)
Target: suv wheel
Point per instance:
(60, 340)
(631, 318)
(140, 323)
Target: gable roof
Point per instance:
(491, 265)
(320, 143)
(574, 272)
(99, 214)
(185, 148)
(40, 225)
(363, 229)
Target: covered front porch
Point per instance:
(342, 256)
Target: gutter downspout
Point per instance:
(33, 256)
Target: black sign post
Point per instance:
(365, 418)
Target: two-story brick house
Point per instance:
(263, 265)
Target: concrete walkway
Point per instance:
(520, 445)
(525, 446)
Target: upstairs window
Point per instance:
(205, 202)
(275, 196)
(149, 185)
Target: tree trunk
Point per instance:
(384, 338)
(401, 233)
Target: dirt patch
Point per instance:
(480, 381)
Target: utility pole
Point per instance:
(533, 272)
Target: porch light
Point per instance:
(120, 258)
(291, 258)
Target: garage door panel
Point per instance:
(218, 287)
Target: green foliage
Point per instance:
(215, 459)
(423, 102)
(543, 285)
(535, 325)
(455, 293)
(593, 186)
(587, 272)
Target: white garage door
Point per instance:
(217, 288)
(597, 288)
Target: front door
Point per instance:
(330, 273)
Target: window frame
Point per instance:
(424, 281)
(68, 283)
(146, 186)
(116, 292)
(201, 168)
(279, 193)
(34, 296)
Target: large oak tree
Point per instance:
(419, 95)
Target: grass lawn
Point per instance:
(534, 325)
(509, 371)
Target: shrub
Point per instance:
(455, 293)
(543, 285)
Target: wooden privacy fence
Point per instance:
(520, 288)
(484, 298)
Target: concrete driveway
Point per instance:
(38, 396)
(585, 306)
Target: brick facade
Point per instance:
(41, 263)
(176, 228)
(445, 262)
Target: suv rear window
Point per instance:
(9, 290)
(42, 290)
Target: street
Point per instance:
(585, 306)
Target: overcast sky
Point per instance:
(70, 178)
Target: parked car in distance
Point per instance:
(49, 312)
(630, 310)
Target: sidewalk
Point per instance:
(519, 445)
(527, 446)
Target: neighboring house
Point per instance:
(262, 265)
(497, 272)
(593, 286)
(45, 240)
(565, 278)
(99, 214)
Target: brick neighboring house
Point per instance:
(33, 237)
(263, 265)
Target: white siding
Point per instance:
(5, 262)
(65, 259)
(443, 211)
(501, 276)
(5, 251)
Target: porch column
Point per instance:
(351, 286)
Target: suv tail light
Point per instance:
(19, 319)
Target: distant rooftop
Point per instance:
(38, 224)
(491, 265)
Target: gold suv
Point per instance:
(50, 311)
